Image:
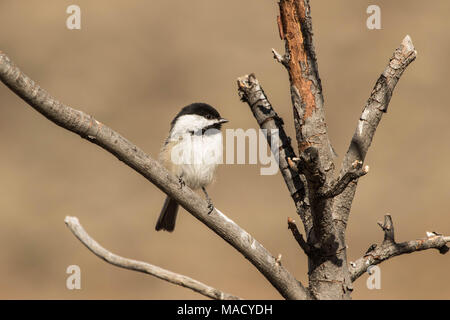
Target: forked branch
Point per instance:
(389, 248)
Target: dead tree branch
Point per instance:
(298, 236)
(250, 91)
(98, 133)
(326, 203)
(74, 225)
(389, 248)
(376, 106)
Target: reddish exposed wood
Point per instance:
(292, 14)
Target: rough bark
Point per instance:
(328, 277)
(327, 201)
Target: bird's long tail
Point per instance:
(168, 215)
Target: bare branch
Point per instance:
(251, 92)
(281, 59)
(94, 131)
(298, 236)
(376, 106)
(74, 225)
(389, 248)
(388, 229)
(338, 186)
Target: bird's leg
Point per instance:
(181, 181)
(208, 199)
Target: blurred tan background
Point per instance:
(134, 64)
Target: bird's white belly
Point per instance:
(198, 159)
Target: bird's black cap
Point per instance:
(198, 108)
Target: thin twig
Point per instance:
(74, 225)
(281, 59)
(298, 236)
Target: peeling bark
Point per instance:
(328, 276)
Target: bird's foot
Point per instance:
(181, 182)
(210, 207)
(208, 199)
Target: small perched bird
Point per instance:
(192, 152)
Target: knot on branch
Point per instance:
(309, 165)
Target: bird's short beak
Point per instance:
(223, 120)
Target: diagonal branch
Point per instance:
(376, 106)
(298, 236)
(389, 248)
(94, 131)
(74, 225)
(309, 165)
(251, 92)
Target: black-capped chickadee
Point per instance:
(192, 152)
